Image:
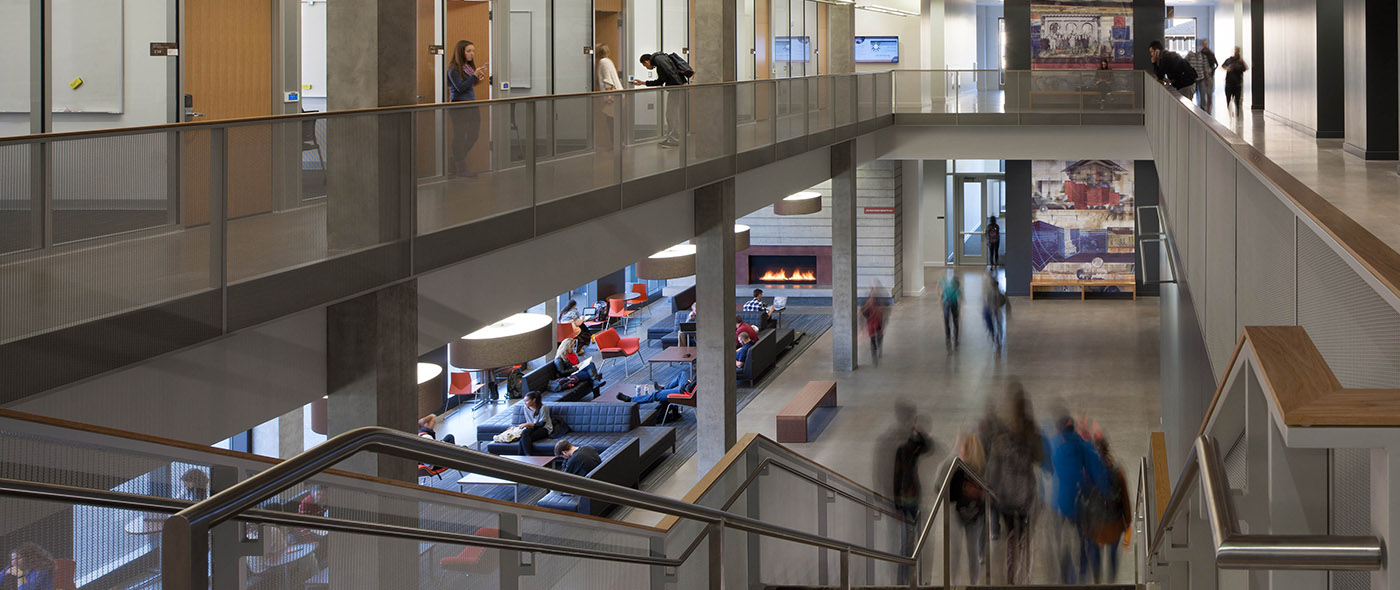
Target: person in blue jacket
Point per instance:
(462, 77)
(1078, 471)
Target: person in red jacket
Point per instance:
(742, 328)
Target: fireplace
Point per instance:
(783, 270)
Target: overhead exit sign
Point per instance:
(879, 210)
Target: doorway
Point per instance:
(227, 64)
(976, 197)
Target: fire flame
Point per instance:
(782, 275)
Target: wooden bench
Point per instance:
(792, 421)
(1130, 286)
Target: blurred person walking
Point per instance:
(1014, 450)
(969, 503)
(994, 304)
(951, 289)
(993, 241)
(1080, 476)
(607, 82)
(875, 319)
(1111, 519)
(1235, 68)
(907, 489)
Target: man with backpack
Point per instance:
(1080, 479)
(671, 70)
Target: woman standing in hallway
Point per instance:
(608, 82)
(1235, 68)
(462, 78)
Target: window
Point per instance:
(1181, 34)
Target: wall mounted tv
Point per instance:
(877, 50)
(792, 49)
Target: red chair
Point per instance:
(679, 399)
(65, 570)
(641, 290)
(564, 330)
(473, 559)
(613, 346)
(617, 309)
(462, 384)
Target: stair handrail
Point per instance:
(185, 536)
(988, 497)
(1236, 550)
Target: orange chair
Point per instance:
(65, 570)
(679, 399)
(617, 309)
(473, 559)
(462, 384)
(641, 289)
(565, 330)
(613, 346)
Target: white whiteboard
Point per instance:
(14, 56)
(88, 44)
(522, 42)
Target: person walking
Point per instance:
(908, 491)
(994, 303)
(1235, 68)
(1114, 523)
(1172, 70)
(969, 503)
(1204, 64)
(951, 289)
(1014, 450)
(1079, 474)
(993, 241)
(607, 82)
(462, 78)
(874, 314)
(668, 73)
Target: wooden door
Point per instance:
(226, 53)
(470, 20)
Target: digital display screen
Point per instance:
(792, 49)
(884, 50)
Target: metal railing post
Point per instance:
(947, 548)
(527, 137)
(218, 218)
(987, 538)
(715, 555)
(845, 569)
(184, 555)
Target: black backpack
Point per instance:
(515, 383)
(682, 67)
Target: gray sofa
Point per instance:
(538, 380)
(597, 425)
(619, 467)
(761, 357)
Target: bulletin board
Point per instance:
(87, 44)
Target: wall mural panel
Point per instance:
(1082, 220)
(1076, 34)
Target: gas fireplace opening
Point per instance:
(783, 270)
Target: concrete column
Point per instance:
(714, 298)
(843, 257)
(369, 52)
(1017, 231)
(371, 370)
(714, 41)
(1256, 54)
(840, 33)
(1369, 56)
(291, 433)
(913, 257)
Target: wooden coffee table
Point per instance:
(472, 479)
(674, 354)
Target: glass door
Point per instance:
(970, 202)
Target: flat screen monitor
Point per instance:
(792, 49)
(877, 50)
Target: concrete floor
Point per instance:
(1098, 357)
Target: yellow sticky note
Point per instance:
(75, 83)
(306, 87)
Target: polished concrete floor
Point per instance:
(1367, 191)
(1099, 357)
